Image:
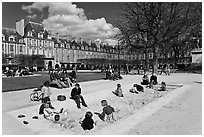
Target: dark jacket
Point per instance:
(87, 123)
(108, 110)
(153, 78)
(75, 92)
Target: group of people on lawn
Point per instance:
(88, 123)
(62, 79)
(112, 74)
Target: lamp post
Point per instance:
(118, 59)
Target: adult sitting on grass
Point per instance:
(65, 78)
(77, 97)
(73, 76)
(54, 82)
(60, 80)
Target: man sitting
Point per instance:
(77, 97)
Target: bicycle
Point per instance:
(36, 95)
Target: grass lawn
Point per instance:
(18, 83)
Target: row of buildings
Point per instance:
(33, 39)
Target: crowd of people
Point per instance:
(16, 72)
(63, 79)
(112, 74)
(50, 113)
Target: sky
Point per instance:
(86, 20)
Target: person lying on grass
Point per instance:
(88, 123)
(107, 113)
(136, 89)
(118, 92)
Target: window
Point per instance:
(3, 38)
(33, 51)
(48, 37)
(11, 39)
(34, 42)
(29, 33)
(11, 48)
(40, 35)
(3, 47)
(21, 48)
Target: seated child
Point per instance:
(88, 122)
(153, 80)
(118, 91)
(51, 114)
(46, 104)
(145, 80)
(163, 87)
(137, 88)
(107, 112)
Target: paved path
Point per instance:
(164, 121)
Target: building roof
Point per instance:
(36, 28)
(7, 32)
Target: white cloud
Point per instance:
(33, 16)
(68, 19)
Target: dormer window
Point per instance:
(40, 35)
(11, 38)
(3, 38)
(21, 40)
(30, 33)
(48, 37)
(62, 45)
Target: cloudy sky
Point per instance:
(85, 20)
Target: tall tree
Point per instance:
(153, 25)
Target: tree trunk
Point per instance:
(146, 60)
(155, 60)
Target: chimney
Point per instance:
(57, 36)
(81, 40)
(76, 40)
(89, 42)
(20, 27)
(68, 38)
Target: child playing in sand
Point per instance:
(118, 92)
(137, 88)
(107, 112)
(88, 123)
(163, 87)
